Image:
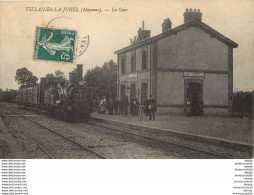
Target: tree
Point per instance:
(9, 95)
(134, 40)
(103, 79)
(60, 77)
(53, 79)
(243, 103)
(25, 78)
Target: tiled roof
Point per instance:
(196, 23)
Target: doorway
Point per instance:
(195, 95)
(133, 91)
(143, 93)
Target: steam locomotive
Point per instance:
(71, 102)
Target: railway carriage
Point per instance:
(35, 95)
(19, 96)
(28, 96)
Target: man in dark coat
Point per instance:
(110, 106)
(146, 106)
(152, 107)
(135, 107)
(115, 106)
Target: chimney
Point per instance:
(79, 72)
(190, 15)
(143, 34)
(166, 25)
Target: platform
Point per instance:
(235, 130)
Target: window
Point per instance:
(144, 59)
(133, 62)
(123, 66)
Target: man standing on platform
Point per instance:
(152, 107)
(115, 106)
(146, 106)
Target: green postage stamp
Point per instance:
(55, 44)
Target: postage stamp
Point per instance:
(55, 44)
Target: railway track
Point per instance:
(51, 130)
(154, 140)
(24, 132)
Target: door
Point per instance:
(133, 91)
(143, 93)
(132, 97)
(195, 95)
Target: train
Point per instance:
(71, 102)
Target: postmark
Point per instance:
(55, 44)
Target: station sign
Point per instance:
(194, 74)
(134, 75)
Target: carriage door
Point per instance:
(195, 94)
(143, 93)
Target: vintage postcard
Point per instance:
(127, 80)
(156, 80)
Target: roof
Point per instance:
(196, 23)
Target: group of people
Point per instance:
(123, 106)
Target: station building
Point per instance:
(191, 61)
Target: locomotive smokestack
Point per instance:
(73, 77)
(79, 72)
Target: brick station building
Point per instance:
(189, 61)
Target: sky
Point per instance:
(110, 31)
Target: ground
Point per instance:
(226, 128)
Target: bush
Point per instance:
(243, 103)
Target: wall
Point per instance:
(192, 49)
(138, 59)
(215, 90)
(170, 88)
(142, 75)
